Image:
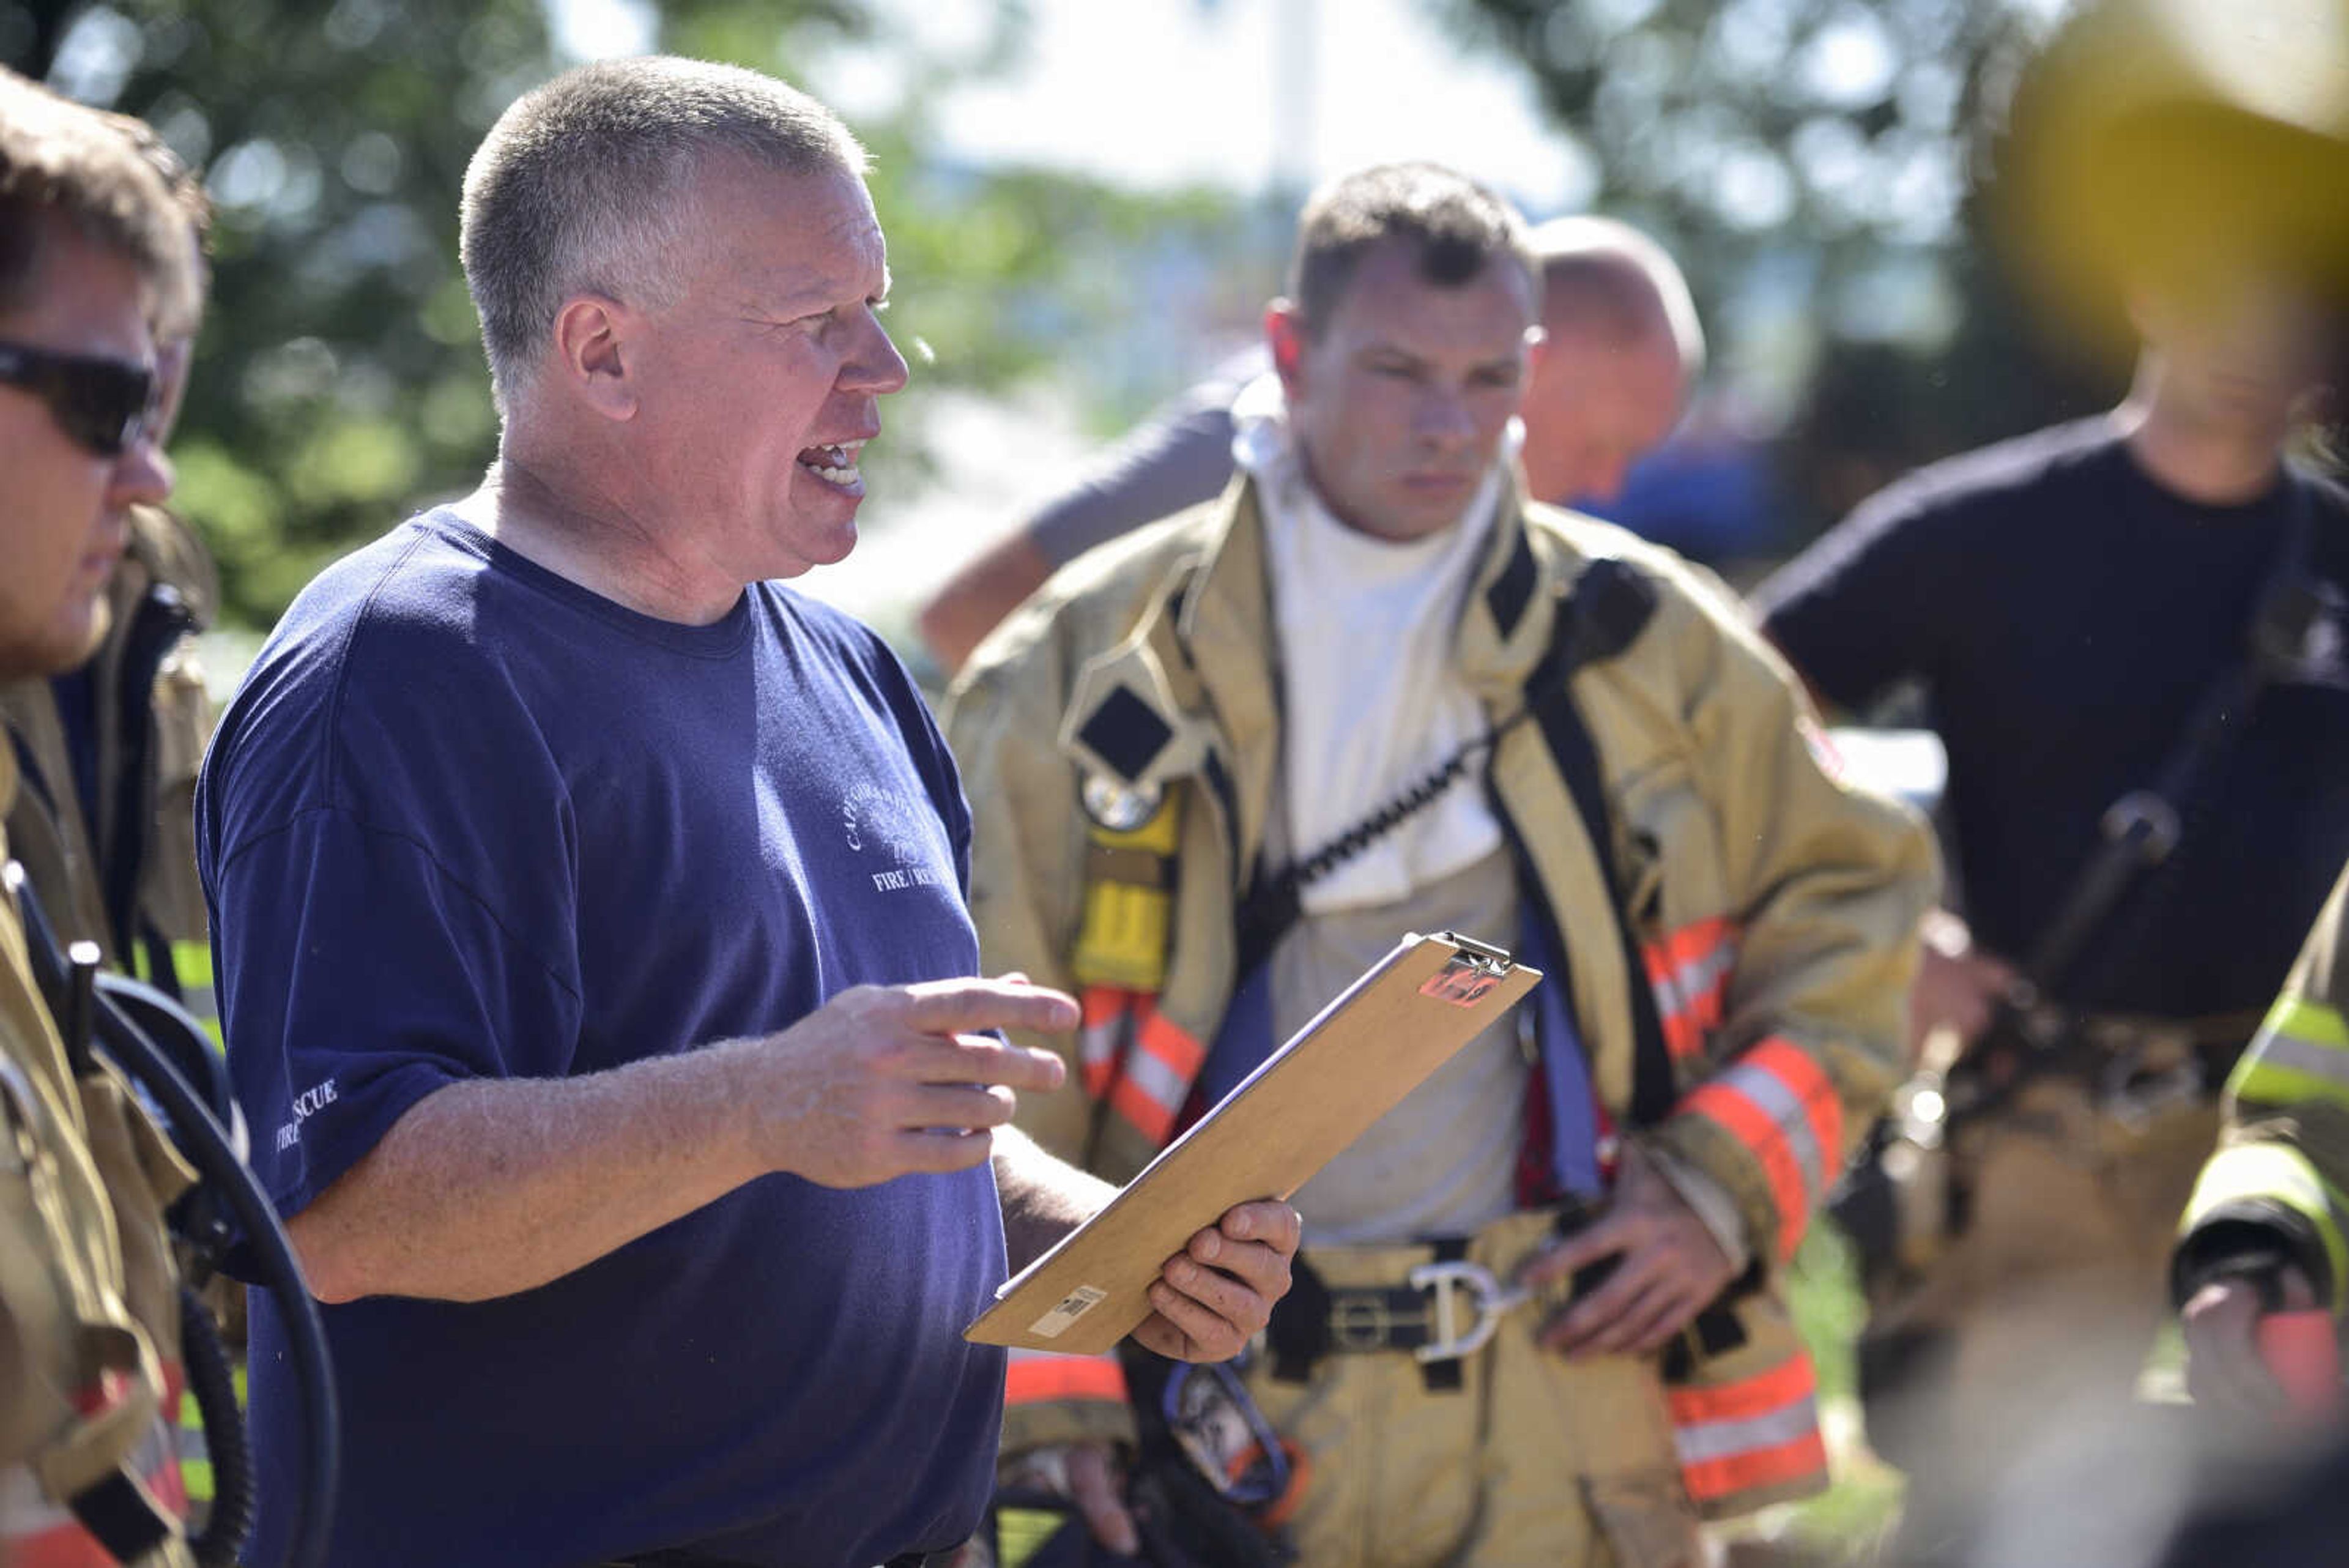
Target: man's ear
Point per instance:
(594, 351)
(1537, 351)
(1283, 334)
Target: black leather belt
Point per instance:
(1448, 1309)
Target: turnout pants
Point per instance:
(1530, 1460)
(2033, 1325)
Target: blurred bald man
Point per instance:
(1622, 347)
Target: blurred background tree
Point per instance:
(340, 380)
(1817, 166)
(1814, 164)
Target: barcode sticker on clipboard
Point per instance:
(1072, 1306)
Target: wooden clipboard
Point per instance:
(1355, 1062)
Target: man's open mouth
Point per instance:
(835, 465)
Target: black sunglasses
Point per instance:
(104, 405)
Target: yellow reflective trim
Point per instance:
(2309, 1020)
(2271, 1083)
(1128, 927)
(1124, 938)
(195, 1459)
(2276, 1173)
(1022, 1532)
(2302, 1052)
(193, 962)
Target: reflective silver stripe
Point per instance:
(1683, 987)
(1706, 1440)
(1097, 1042)
(1786, 1111)
(2327, 1061)
(1154, 1078)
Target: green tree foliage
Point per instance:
(1819, 163)
(340, 380)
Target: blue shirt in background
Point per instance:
(467, 820)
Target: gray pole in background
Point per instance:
(1296, 99)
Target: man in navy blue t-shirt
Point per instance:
(2067, 602)
(591, 926)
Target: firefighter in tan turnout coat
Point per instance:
(1430, 684)
(90, 1366)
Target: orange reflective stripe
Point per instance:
(1778, 1102)
(1761, 1431)
(1101, 1036)
(1710, 1480)
(1158, 1077)
(1689, 970)
(1784, 1385)
(1130, 1054)
(1683, 1038)
(1749, 1125)
(1033, 1375)
(67, 1545)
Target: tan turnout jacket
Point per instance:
(164, 589)
(90, 1376)
(1775, 906)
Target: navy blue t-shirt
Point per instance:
(2064, 615)
(467, 820)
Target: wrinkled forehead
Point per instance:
(776, 236)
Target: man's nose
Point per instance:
(1443, 416)
(874, 367)
(141, 473)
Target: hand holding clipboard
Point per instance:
(1351, 1065)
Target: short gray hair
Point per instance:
(580, 186)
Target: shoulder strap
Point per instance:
(1611, 604)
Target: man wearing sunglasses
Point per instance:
(104, 825)
(90, 242)
(104, 821)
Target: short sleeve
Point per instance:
(1866, 605)
(359, 975)
(1179, 459)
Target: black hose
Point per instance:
(235, 1494)
(201, 1138)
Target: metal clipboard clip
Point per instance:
(1469, 975)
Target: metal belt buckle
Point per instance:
(1364, 1323)
(1487, 1296)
